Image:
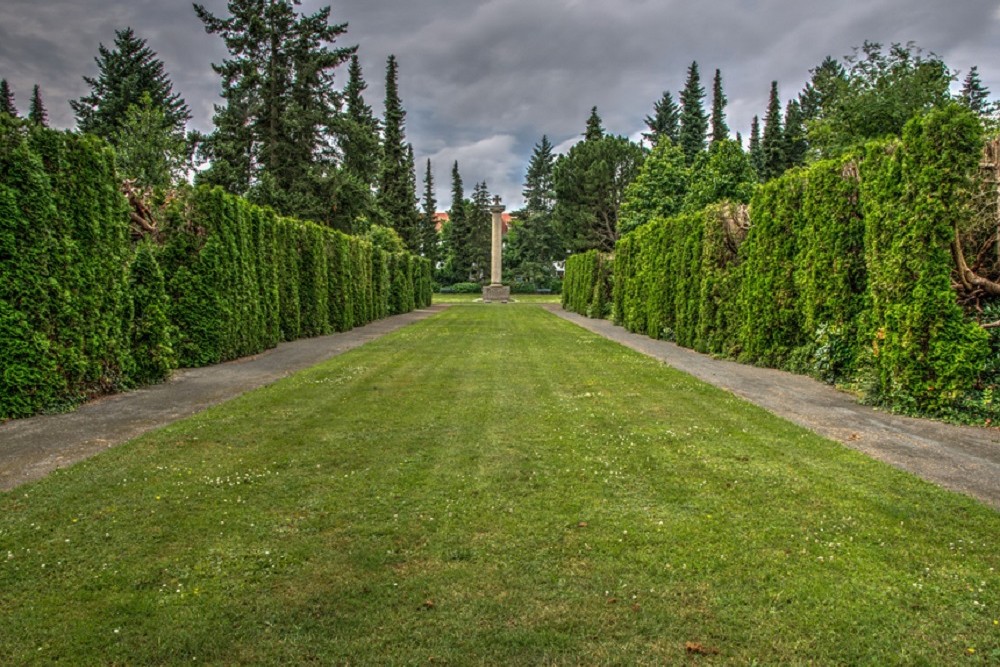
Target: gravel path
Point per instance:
(961, 458)
(31, 448)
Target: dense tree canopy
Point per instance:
(590, 184)
(273, 138)
(128, 75)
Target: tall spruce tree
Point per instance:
(7, 99)
(394, 194)
(595, 130)
(693, 120)
(127, 74)
(720, 130)
(974, 94)
(36, 112)
(665, 121)
(272, 137)
(772, 143)
(457, 231)
(360, 141)
(794, 136)
(539, 196)
(428, 221)
(754, 150)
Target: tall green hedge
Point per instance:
(589, 289)
(242, 278)
(844, 272)
(84, 312)
(64, 253)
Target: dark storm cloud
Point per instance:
(482, 81)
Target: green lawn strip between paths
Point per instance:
(493, 485)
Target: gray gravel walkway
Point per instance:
(32, 448)
(961, 458)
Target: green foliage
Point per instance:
(923, 351)
(587, 289)
(590, 183)
(658, 189)
(396, 194)
(63, 253)
(665, 121)
(874, 97)
(719, 128)
(148, 149)
(271, 139)
(150, 332)
(129, 75)
(7, 99)
(724, 173)
(842, 270)
(37, 113)
(693, 118)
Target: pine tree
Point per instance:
(271, 138)
(594, 129)
(126, 74)
(428, 221)
(754, 150)
(36, 112)
(665, 121)
(794, 136)
(7, 99)
(824, 88)
(457, 231)
(720, 130)
(693, 120)
(974, 94)
(394, 194)
(538, 188)
(360, 142)
(772, 142)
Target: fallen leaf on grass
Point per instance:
(582, 524)
(428, 604)
(699, 649)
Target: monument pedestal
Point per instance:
(496, 294)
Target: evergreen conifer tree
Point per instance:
(595, 130)
(7, 99)
(772, 143)
(360, 142)
(693, 119)
(126, 74)
(720, 130)
(457, 236)
(538, 188)
(395, 197)
(271, 138)
(754, 150)
(974, 94)
(36, 112)
(665, 121)
(794, 136)
(428, 221)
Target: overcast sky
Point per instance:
(483, 81)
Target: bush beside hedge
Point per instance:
(844, 273)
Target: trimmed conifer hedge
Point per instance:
(588, 287)
(844, 272)
(85, 312)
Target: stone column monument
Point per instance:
(496, 291)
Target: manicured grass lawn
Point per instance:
(517, 298)
(493, 485)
